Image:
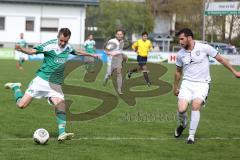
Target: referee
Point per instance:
(142, 48)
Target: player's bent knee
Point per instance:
(182, 110)
(61, 105)
(182, 106)
(197, 104)
(196, 108)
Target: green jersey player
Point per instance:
(89, 44)
(90, 48)
(19, 56)
(48, 80)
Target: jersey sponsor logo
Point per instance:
(60, 60)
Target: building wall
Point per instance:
(162, 24)
(15, 17)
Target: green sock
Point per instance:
(17, 93)
(21, 61)
(61, 120)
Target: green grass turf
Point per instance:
(141, 132)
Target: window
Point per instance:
(2, 23)
(30, 23)
(49, 24)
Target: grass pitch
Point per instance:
(141, 132)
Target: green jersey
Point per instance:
(89, 46)
(22, 43)
(52, 68)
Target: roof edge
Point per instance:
(54, 2)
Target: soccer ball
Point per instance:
(41, 136)
(111, 46)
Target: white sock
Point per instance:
(191, 137)
(182, 117)
(195, 117)
(106, 76)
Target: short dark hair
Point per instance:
(89, 34)
(186, 31)
(121, 30)
(144, 33)
(65, 32)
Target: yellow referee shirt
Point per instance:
(142, 47)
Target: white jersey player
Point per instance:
(193, 63)
(114, 50)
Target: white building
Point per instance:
(40, 20)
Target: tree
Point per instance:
(131, 16)
(188, 12)
(225, 28)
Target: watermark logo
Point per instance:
(109, 100)
(143, 116)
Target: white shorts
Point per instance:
(40, 88)
(19, 55)
(191, 90)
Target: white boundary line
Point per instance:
(128, 138)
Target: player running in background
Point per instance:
(114, 51)
(90, 48)
(50, 76)
(142, 48)
(193, 67)
(20, 56)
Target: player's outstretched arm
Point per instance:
(29, 51)
(82, 53)
(226, 64)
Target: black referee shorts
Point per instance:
(141, 60)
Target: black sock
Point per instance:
(145, 74)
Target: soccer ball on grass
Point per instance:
(41, 136)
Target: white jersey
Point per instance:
(119, 45)
(118, 49)
(111, 59)
(195, 64)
